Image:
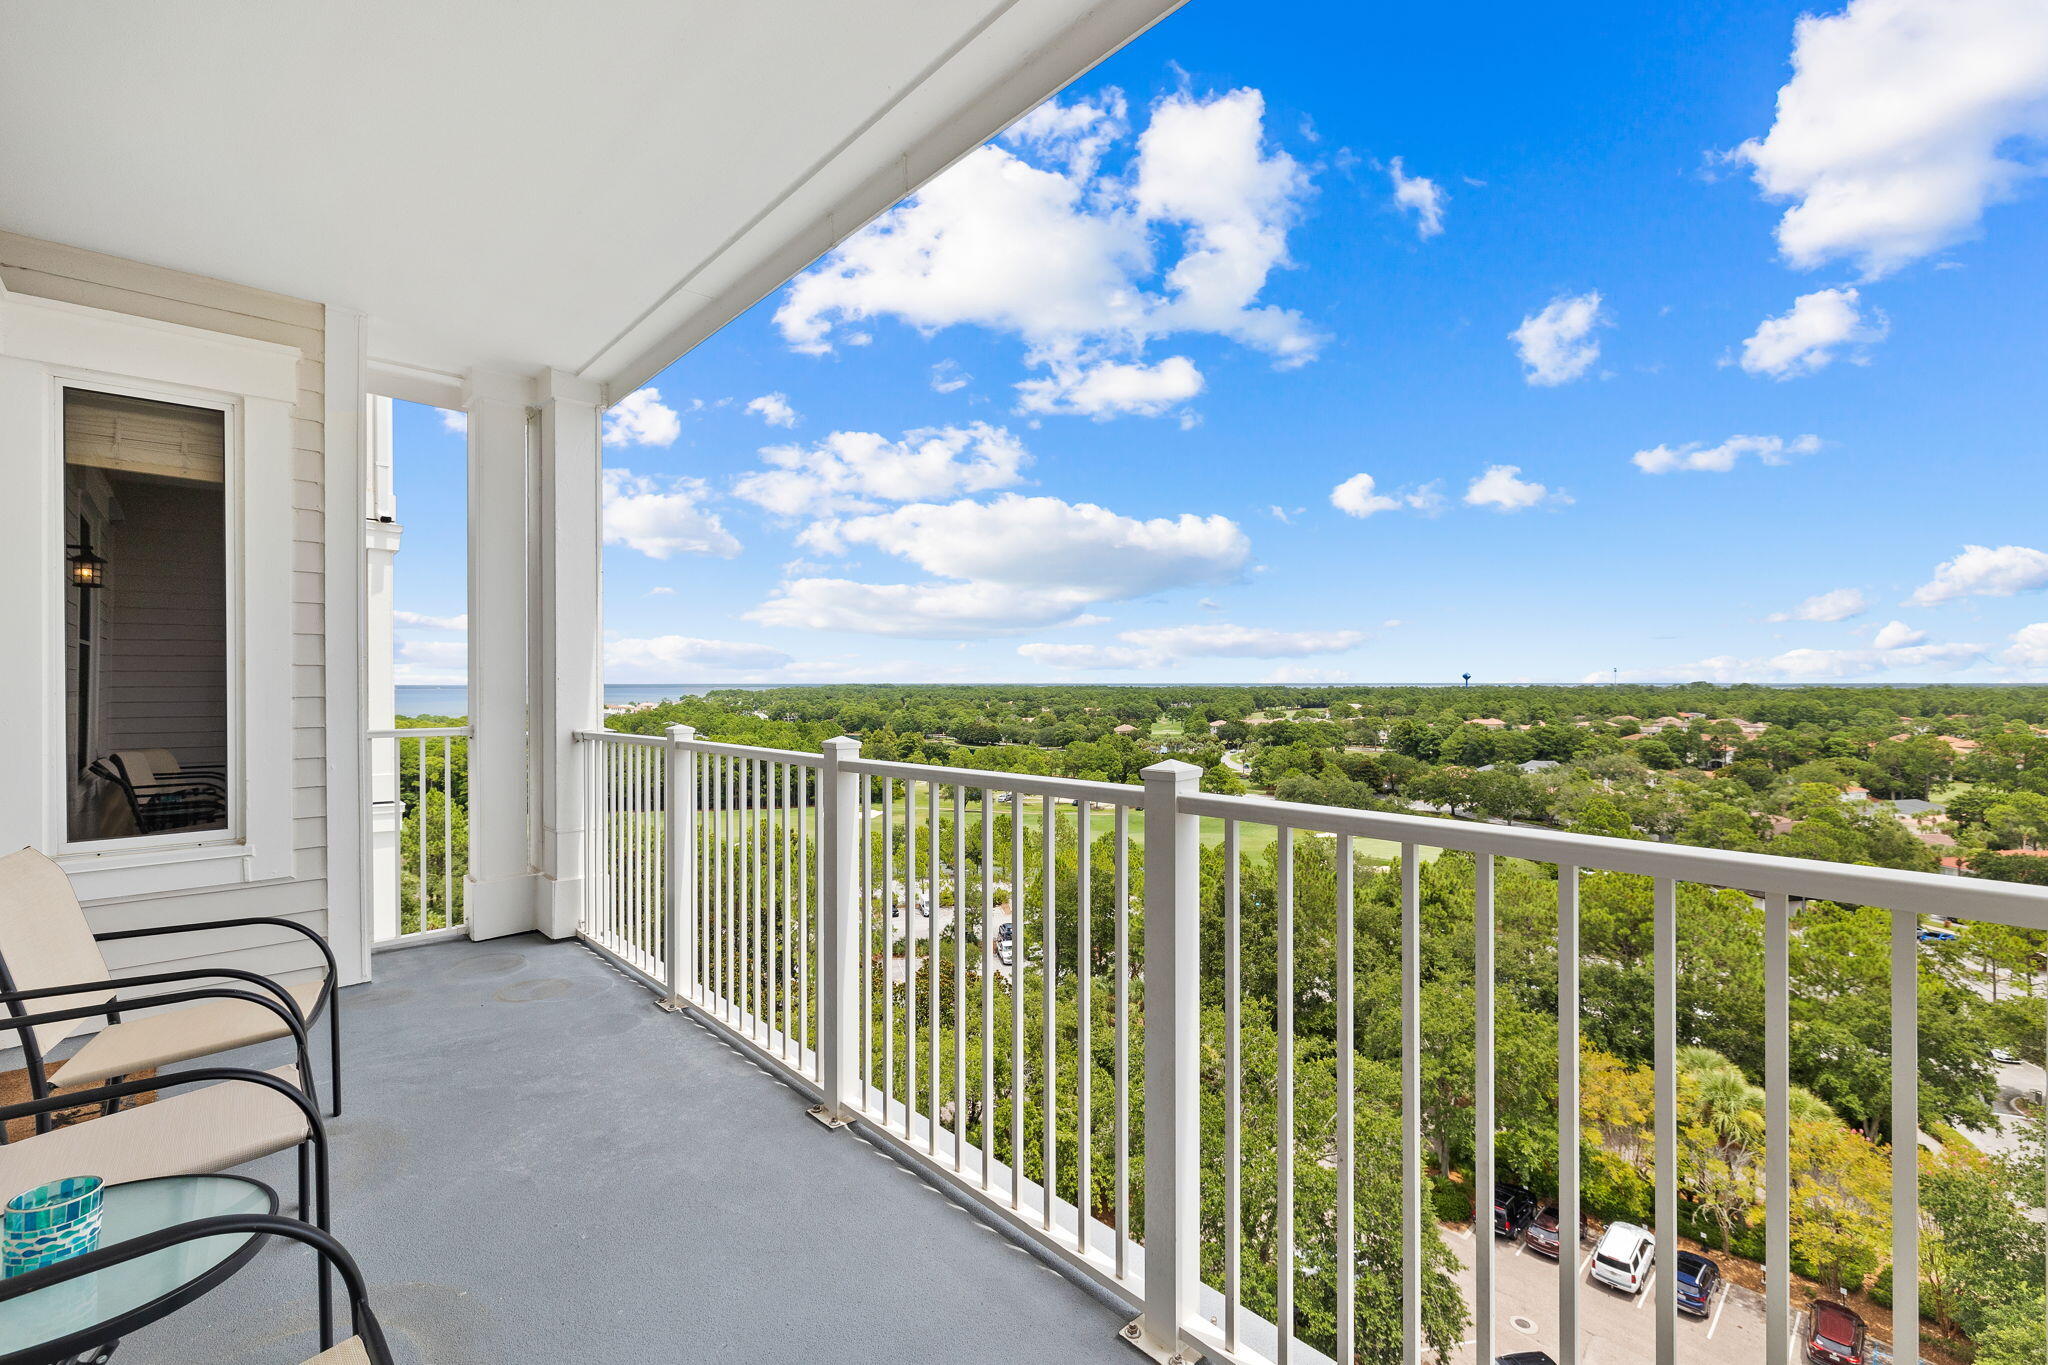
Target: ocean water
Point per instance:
(454, 701)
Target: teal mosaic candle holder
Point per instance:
(50, 1223)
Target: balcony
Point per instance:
(616, 1156)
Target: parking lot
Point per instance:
(1614, 1329)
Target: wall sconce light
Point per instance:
(88, 570)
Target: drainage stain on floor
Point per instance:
(522, 992)
(497, 964)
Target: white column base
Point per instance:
(499, 906)
(558, 905)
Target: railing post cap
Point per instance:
(682, 732)
(1172, 770)
(842, 745)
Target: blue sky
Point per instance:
(1634, 361)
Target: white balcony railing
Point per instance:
(844, 920)
(419, 834)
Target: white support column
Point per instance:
(347, 706)
(567, 655)
(499, 891)
(1173, 1113)
(381, 535)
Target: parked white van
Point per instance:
(1624, 1256)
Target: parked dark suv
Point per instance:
(1525, 1358)
(1513, 1207)
(1699, 1279)
(1837, 1336)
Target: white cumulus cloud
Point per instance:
(860, 471)
(1557, 345)
(1804, 340)
(774, 409)
(1015, 563)
(1501, 488)
(1421, 196)
(1897, 635)
(681, 658)
(1165, 646)
(1219, 641)
(1112, 388)
(1719, 459)
(453, 419)
(1358, 496)
(1902, 121)
(642, 419)
(422, 621)
(1980, 571)
(2029, 647)
(1088, 656)
(1838, 605)
(930, 611)
(1087, 266)
(948, 377)
(1811, 665)
(662, 518)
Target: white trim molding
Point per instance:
(45, 346)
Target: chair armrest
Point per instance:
(21, 1023)
(256, 979)
(121, 1090)
(326, 952)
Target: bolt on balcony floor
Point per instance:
(536, 1164)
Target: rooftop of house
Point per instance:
(536, 1163)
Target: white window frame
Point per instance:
(64, 848)
(46, 346)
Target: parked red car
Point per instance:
(1838, 1336)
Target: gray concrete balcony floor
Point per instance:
(536, 1164)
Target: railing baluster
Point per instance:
(867, 942)
(1283, 1001)
(1083, 1056)
(1777, 1129)
(1048, 973)
(426, 831)
(988, 982)
(1347, 1106)
(1122, 911)
(1483, 1097)
(1665, 1029)
(931, 967)
(1016, 1000)
(1412, 1225)
(959, 927)
(1568, 1123)
(1233, 1086)
(448, 830)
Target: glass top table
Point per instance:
(60, 1321)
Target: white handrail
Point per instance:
(1923, 893)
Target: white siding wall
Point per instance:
(45, 269)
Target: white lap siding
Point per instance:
(49, 270)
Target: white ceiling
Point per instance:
(594, 187)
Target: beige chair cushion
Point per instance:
(350, 1352)
(188, 1131)
(179, 1035)
(45, 940)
